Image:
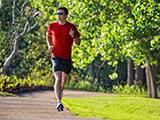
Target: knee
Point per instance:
(58, 80)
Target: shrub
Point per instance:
(13, 84)
(128, 90)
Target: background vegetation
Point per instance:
(113, 32)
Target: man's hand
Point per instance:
(51, 49)
(71, 33)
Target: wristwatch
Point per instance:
(75, 36)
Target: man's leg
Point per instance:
(57, 89)
(64, 79)
(57, 85)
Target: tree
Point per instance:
(146, 35)
(22, 22)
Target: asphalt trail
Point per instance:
(39, 106)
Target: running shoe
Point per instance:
(60, 107)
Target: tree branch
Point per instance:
(31, 28)
(27, 28)
(13, 9)
(35, 14)
(23, 7)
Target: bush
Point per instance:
(12, 84)
(80, 82)
(128, 90)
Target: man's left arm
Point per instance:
(76, 39)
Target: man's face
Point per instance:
(61, 16)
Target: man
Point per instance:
(60, 37)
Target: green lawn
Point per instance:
(5, 94)
(115, 107)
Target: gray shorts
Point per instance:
(60, 64)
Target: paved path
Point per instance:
(39, 106)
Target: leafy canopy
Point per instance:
(116, 30)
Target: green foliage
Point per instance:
(32, 59)
(113, 76)
(132, 90)
(12, 83)
(115, 107)
(83, 85)
(87, 79)
(38, 58)
(113, 30)
(117, 30)
(79, 81)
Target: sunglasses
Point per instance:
(60, 13)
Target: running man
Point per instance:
(60, 38)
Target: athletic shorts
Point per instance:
(60, 64)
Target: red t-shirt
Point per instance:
(62, 41)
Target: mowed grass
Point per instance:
(115, 107)
(5, 94)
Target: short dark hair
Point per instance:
(63, 8)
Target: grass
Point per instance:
(115, 107)
(5, 94)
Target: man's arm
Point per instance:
(49, 42)
(76, 39)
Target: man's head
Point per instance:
(64, 9)
(62, 13)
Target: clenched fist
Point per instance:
(51, 49)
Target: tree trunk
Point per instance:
(98, 71)
(11, 57)
(148, 83)
(130, 71)
(98, 77)
(92, 66)
(151, 72)
(95, 71)
(139, 76)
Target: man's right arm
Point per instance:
(49, 42)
